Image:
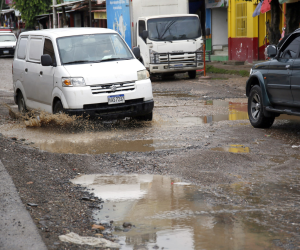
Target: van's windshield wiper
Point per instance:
(80, 61)
(113, 59)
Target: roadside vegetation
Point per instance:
(214, 70)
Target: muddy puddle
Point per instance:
(101, 146)
(233, 149)
(170, 214)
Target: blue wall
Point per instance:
(118, 18)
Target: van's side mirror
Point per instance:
(207, 31)
(271, 51)
(46, 60)
(145, 34)
(137, 53)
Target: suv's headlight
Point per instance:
(199, 55)
(154, 58)
(143, 74)
(251, 71)
(72, 82)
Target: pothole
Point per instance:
(166, 213)
(233, 149)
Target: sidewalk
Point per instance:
(17, 230)
(226, 65)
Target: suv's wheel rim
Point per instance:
(255, 106)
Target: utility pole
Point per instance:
(1, 6)
(54, 15)
(90, 10)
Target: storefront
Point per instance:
(217, 10)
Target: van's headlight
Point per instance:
(72, 82)
(143, 74)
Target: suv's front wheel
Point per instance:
(255, 110)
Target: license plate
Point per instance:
(5, 52)
(114, 99)
(178, 65)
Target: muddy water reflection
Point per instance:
(233, 149)
(236, 111)
(171, 216)
(97, 146)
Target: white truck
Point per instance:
(170, 39)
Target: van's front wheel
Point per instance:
(147, 117)
(58, 108)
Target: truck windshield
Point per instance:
(92, 48)
(7, 38)
(174, 28)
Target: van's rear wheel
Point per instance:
(21, 104)
(192, 74)
(58, 108)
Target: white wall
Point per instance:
(219, 26)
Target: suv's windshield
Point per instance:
(7, 38)
(92, 48)
(174, 28)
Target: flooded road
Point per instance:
(62, 134)
(198, 176)
(170, 214)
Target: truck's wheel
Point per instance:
(192, 74)
(147, 117)
(255, 110)
(58, 108)
(21, 103)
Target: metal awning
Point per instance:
(7, 11)
(104, 10)
(67, 4)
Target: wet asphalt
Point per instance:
(200, 134)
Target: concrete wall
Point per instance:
(219, 26)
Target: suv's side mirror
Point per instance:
(46, 60)
(271, 51)
(207, 31)
(145, 34)
(137, 53)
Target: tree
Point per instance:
(292, 17)
(31, 8)
(273, 27)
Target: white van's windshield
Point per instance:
(92, 48)
(174, 28)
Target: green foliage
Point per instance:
(212, 69)
(31, 8)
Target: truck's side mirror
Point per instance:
(271, 51)
(207, 31)
(145, 34)
(137, 53)
(46, 60)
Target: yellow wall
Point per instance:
(256, 26)
(252, 23)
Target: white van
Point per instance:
(89, 71)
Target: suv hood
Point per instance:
(106, 72)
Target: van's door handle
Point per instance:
(288, 66)
(26, 70)
(41, 73)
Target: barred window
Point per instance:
(241, 19)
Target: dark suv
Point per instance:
(273, 87)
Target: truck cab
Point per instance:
(170, 43)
